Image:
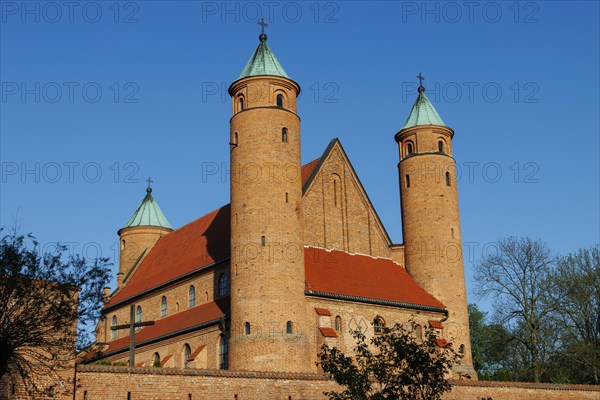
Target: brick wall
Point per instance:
(107, 383)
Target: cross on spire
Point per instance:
(149, 180)
(421, 78)
(131, 326)
(262, 24)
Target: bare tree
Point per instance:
(42, 299)
(517, 276)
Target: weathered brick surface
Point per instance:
(107, 383)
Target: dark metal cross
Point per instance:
(262, 24)
(149, 180)
(421, 79)
(131, 326)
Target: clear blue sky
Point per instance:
(97, 96)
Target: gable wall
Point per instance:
(337, 214)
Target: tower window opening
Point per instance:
(338, 323)
(407, 179)
(441, 146)
(284, 135)
(289, 327)
(156, 360)
(223, 284)
(409, 148)
(286, 198)
(163, 307)
(452, 232)
(279, 100)
(241, 103)
(122, 244)
(234, 139)
(247, 328)
(262, 241)
(447, 178)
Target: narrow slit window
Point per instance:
(289, 327)
(334, 192)
(441, 146)
(279, 100)
(192, 296)
(113, 334)
(262, 241)
(241, 103)
(163, 307)
(407, 179)
(284, 135)
(138, 317)
(247, 328)
(286, 198)
(409, 148)
(447, 178)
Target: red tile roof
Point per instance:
(328, 332)
(189, 248)
(442, 343)
(308, 169)
(435, 324)
(362, 277)
(174, 323)
(322, 311)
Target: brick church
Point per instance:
(299, 256)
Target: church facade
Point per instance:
(299, 257)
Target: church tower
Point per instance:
(430, 218)
(138, 236)
(269, 326)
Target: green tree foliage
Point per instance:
(546, 320)
(575, 286)
(43, 297)
(393, 365)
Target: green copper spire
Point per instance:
(148, 213)
(263, 62)
(422, 112)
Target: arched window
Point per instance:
(240, 103)
(409, 148)
(338, 324)
(441, 146)
(163, 307)
(279, 100)
(223, 353)
(461, 349)
(187, 354)
(378, 324)
(156, 360)
(407, 178)
(284, 135)
(223, 284)
(138, 317)
(289, 328)
(113, 334)
(192, 296)
(447, 178)
(247, 328)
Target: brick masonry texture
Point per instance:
(108, 383)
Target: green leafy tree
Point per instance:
(45, 301)
(393, 365)
(576, 290)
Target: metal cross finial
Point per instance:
(149, 180)
(262, 24)
(421, 79)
